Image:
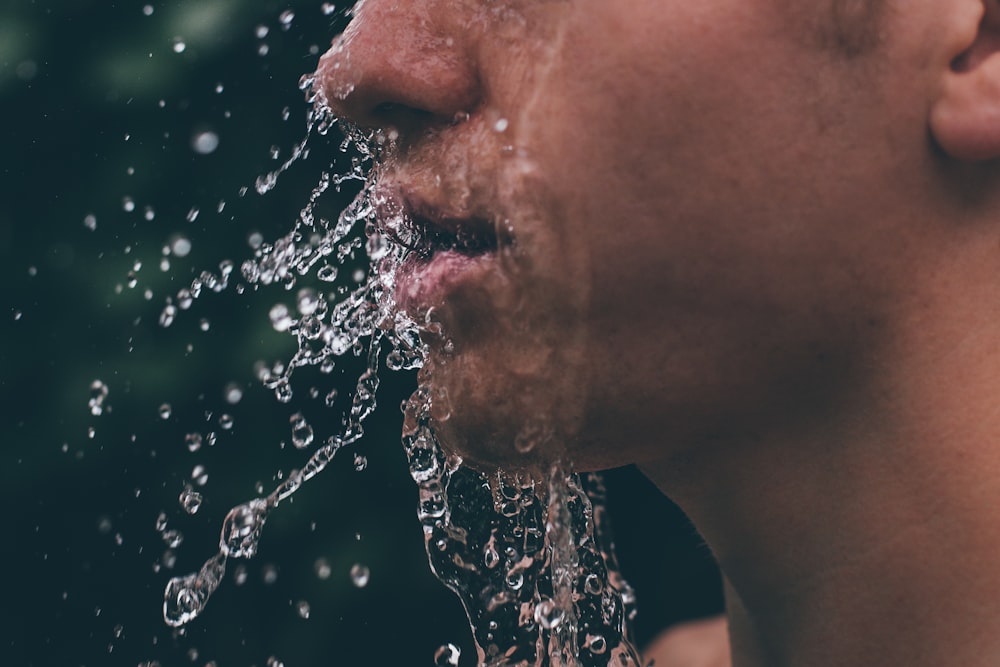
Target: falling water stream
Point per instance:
(529, 558)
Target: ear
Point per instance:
(965, 119)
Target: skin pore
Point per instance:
(752, 246)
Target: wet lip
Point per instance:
(433, 231)
(446, 251)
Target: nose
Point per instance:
(400, 64)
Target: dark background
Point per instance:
(98, 106)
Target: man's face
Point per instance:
(648, 224)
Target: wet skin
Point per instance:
(740, 247)
(697, 201)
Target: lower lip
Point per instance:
(422, 284)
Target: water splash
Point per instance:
(530, 559)
(326, 326)
(185, 597)
(523, 555)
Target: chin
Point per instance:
(495, 414)
(518, 413)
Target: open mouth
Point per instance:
(444, 253)
(424, 232)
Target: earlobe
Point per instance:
(965, 118)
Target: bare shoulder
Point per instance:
(703, 643)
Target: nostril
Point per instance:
(388, 69)
(385, 109)
(400, 115)
(402, 121)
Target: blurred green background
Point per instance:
(101, 103)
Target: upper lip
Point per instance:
(424, 228)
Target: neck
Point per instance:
(870, 536)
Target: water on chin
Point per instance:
(529, 558)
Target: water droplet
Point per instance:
(173, 538)
(303, 608)
(261, 31)
(26, 70)
(233, 393)
(308, 301)
(147, 10)
(597, 644)
(193, 441)
(166, 319)
(592, 584)
(226, 422)
(185, 597)
(165, 411)
(548, 614)
(205, 142)
(302, 432)
(515, 579)
(128, 204)
(241, 528)
(283, 391)
(281, 320)
(269, 574)
(447, 655)
(501, 125)
(360, 462)
(199, 475)
(90, 222)
(424, 459)
(98, 393)
(190, 500)
(179, 45)
(180, 246)
(360, 575)
(328, 8)
(323, 569)
(331, 398)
